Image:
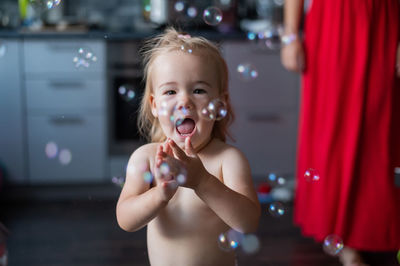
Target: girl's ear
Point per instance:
(153, 106)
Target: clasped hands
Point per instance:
(176, 167)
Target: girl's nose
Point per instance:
(185, 102)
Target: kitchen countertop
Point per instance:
(106, 35)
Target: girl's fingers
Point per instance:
(178, 152)
(189, 147)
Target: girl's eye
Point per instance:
(169, 92)
(199, 91)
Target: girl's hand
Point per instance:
(191, 164)
(398, 61)
(166, 184)
(292, 56)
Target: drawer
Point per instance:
(274, 89)
(267, 139)
(65, 94)
(55, 56)
(84, 136)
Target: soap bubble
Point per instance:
(3, 49)
(84, 58)
(191, 11)
(273, 37)
(250, 244)
(51, 149)
(118, 181)
(247, 71)
(65, 156)
(311, 175)
(179, 6)
(332, 245)
(212, 16)
(45, 4)
(186, 48)
(229, 240)
(275, 179)
(127, 92)
(276, 209)
(147, 176)
(215, 110)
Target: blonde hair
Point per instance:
(171, 40)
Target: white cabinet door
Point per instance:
(268, 139)
(66, 149)
(265, 107)
(12, 148)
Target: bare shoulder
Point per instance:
(227, 152)
(144, 152)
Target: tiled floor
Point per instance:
(83, 231)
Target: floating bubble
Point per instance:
(84, 58)
(181, 179)
(164, 168)
(247, 71)
(186, 48)
(147, 176)
(51, 149)
(191, 12)
(229, 240)
(127, 92)
(276, 209)
(215, 110)
(332, 245)
(179, 6)
(251, 36)
(65, 156)
(48, 4)
(118, 180)
(163, 110)
(273, 37)
(212, 15)
(250, 244)
(3, 49)
(311, 175)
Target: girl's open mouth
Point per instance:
(185, 127)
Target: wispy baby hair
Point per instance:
(172, 40)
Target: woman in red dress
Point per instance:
(349, 123)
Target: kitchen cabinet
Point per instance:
(66, 111)
(265, 107)
(12, 148)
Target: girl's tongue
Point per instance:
(186, 126)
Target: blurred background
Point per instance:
(70, 87)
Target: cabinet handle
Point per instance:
(67, 84)
(264, 118)
(66, 120)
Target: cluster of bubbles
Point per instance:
(45, 4)
(272, 37)
(167, 170)
(247, 71)
(311, 175)
(84, 58)
(215, 110)
(127, 92)
(332, 245)
(211, 15)
(118, 181)
(52, 151)
(232, 239)
(186, 48)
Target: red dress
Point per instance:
(349, 126)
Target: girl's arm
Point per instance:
(138, 204)
(234, 201)
(292, 54)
